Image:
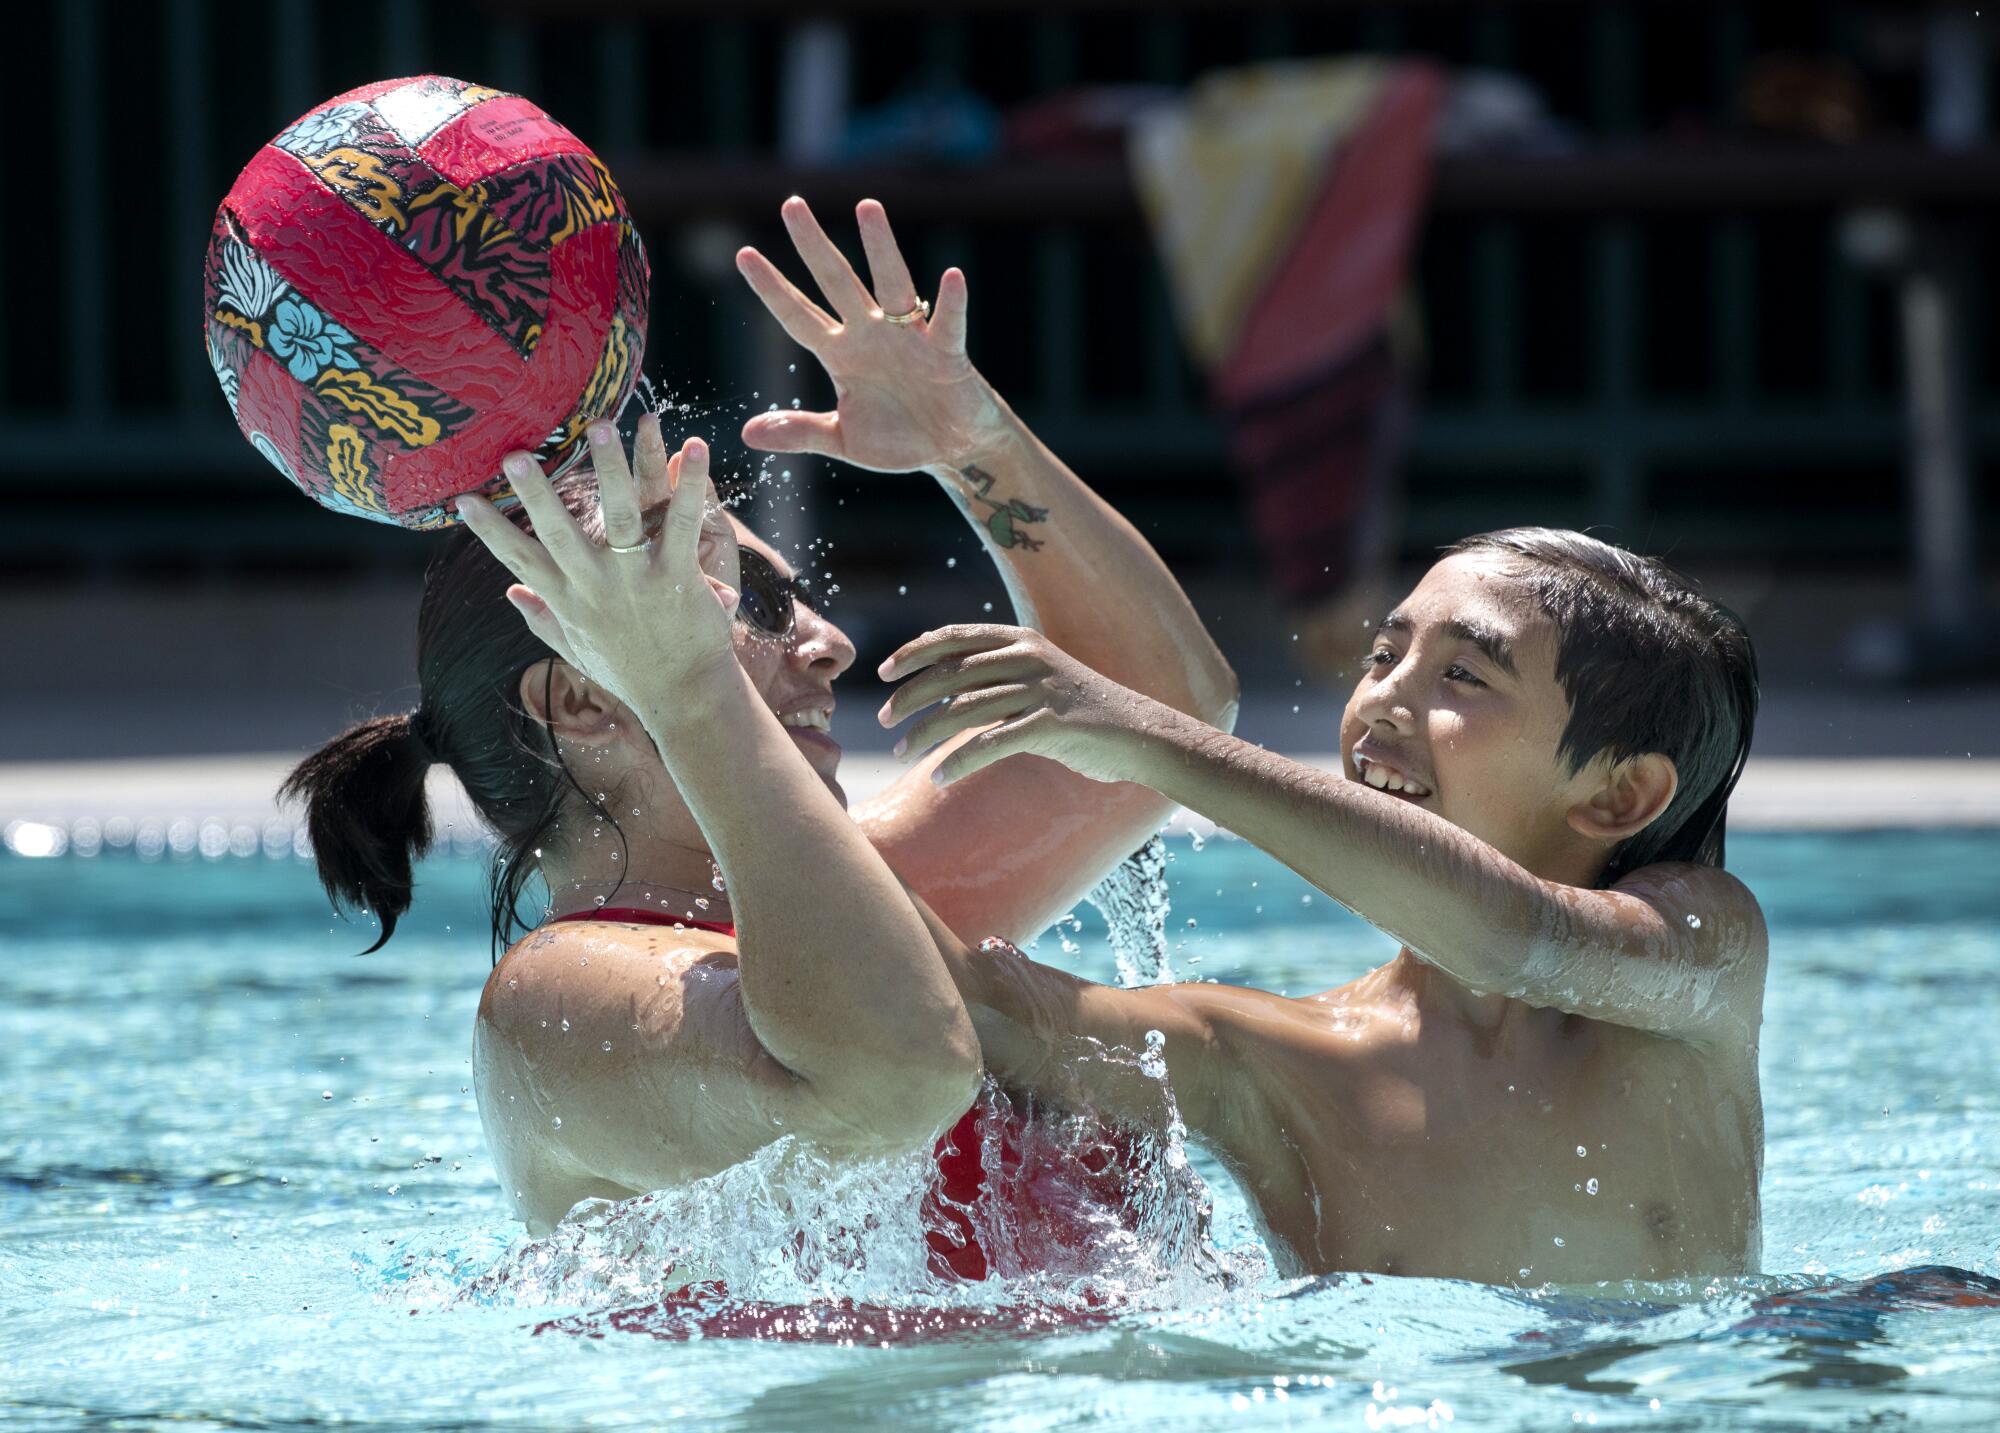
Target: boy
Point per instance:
(1556, 1077)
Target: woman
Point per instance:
(661, 764)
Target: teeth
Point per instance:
(814, 720)
(1384, 778)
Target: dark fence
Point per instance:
(1658, 331)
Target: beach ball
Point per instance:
(411, 281)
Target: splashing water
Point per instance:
(1133, 901)
(785, 1224)
(1075, 1214)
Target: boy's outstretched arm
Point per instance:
(1675, 949)
(1231, 1054)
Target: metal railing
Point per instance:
(1542, 401)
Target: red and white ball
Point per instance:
(414, 279)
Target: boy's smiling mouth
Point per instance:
(1376, 769)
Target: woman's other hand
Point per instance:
(643, 621)
(906, 396)
(1045, 702)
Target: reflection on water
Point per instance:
(191, 1231)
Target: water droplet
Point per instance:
(556, 1123)
(565, 1026)
(326, 1094)
(513, 984)
(1524, 1272)
(1590, 1186)
(1694, 922)
(1580, 1152)
(607, 1047)
(951, 562)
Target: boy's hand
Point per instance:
(906, 396)
(1046, 703)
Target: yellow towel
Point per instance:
(1227, 176)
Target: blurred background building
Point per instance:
(1710, 279)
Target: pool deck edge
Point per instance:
(1777, 793)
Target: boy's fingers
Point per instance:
(805, 321)
(941, 642)
(977, 708)
(949, 677)
(830, 269)
(519, 553)
(649, 453)
(988, 747)
(895, 290)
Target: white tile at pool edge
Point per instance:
(1777, 793)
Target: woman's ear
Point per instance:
(574, 708)
(1630, 798)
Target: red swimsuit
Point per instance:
(1043, 1228)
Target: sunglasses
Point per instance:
(769, 601)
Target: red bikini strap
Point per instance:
(639, 916)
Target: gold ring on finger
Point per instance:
(922, 310)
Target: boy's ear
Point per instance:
(575, 709)
(1630, 798)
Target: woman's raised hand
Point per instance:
(906, 396)
(637, 616)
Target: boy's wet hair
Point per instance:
(1649, 665)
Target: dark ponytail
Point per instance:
(363, 794)
(364, 790)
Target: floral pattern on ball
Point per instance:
(308, 341)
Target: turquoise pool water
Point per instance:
(242, 1185)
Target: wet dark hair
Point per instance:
(363, 791)
(1649, 665)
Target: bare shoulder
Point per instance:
(1709, 910)
(615, 1059)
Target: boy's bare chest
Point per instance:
(1583, 1153)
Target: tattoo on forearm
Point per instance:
(1002, 517)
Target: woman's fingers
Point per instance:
(806, 322)
(953, 641)
(542, 622)
(830, 269)
(1021, 734)
(895, 290)
(951, 676)
(680, 545)
(554, 527)
(617, 492)
(976, 708)
(791, 432)
(519, 553)
(947, 321)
